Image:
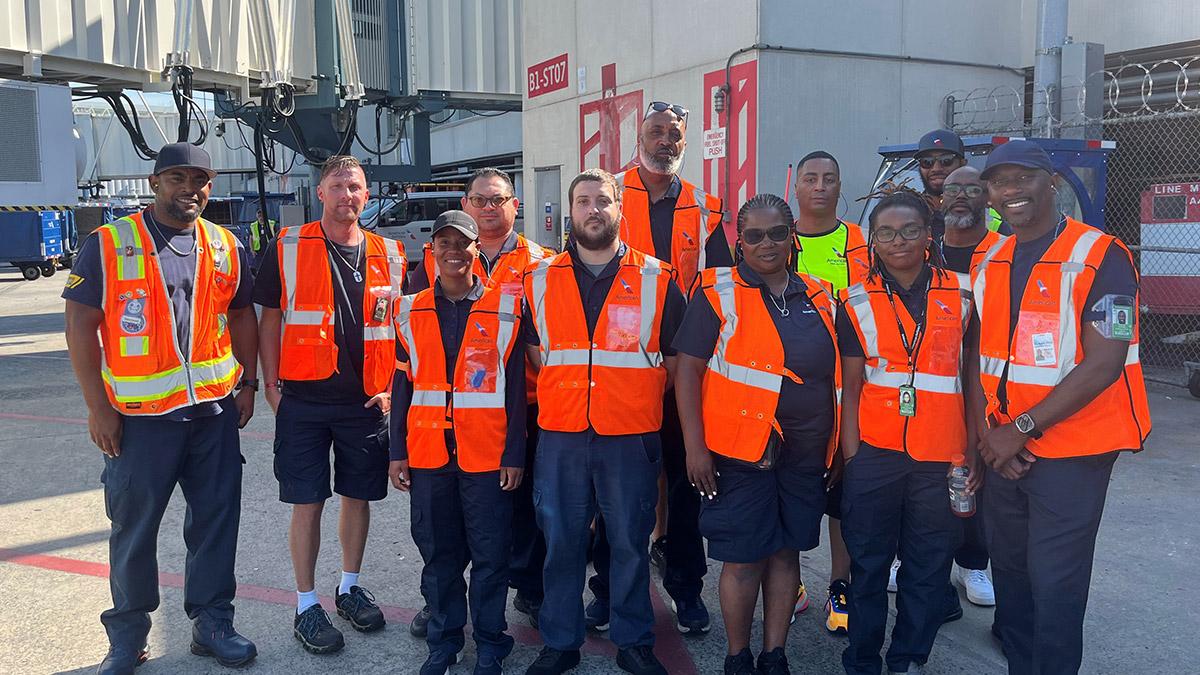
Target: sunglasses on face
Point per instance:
(908, 232)
(479, 201)
(779, 234)
(946, 161)
(953, 190)
(661, 106)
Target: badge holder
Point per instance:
(908, 400)
(1117, 323)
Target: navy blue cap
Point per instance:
(183, 156)
(459, 220)
(1021, 153)
(939, 140)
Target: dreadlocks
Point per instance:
(901, 196)
(762, 201)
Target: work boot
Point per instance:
(529, 606)
(438, 663)
(419, 626)
(316, 633)
(121, 661)
(595, 615)
(773, 662)
(837, 611)
(553, 662)
(359, 608)
(741, 663)
(954, 610)
(691, 616)
(639, 660)
(488, 664)
(218, 639)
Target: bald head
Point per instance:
(964, 199)
(661, 142)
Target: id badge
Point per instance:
(1122, 321)
(908, 400)
(380, 312)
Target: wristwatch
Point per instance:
(1027, 426)
(253, 384)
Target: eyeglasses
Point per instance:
(779, 233)
(953, 190)
(479, 201)
(946, 161)
(909, 232)
(661, 106)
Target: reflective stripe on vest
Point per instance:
(687, 231)
(1057, 286)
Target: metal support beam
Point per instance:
(1047, 66)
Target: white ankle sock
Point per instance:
(348, 579)
(305, 599)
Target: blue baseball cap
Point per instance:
(941, 140)
(1019, 153)
(183, 156)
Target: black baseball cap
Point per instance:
(459, 220)
(941, 139)
(1021, 153)
(183, 156)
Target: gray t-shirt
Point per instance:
(86, 286)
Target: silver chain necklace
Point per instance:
(181, 254)
(357, 257)
(783, 311)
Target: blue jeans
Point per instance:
(578, 474)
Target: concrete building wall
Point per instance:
(1119, 25)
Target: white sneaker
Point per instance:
(892, 576)
(977, 584)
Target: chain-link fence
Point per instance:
(1152, 113)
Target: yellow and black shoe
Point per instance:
(836, 610)
(801, 602)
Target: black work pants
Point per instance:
(528, 543)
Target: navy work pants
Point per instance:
(893, 504)
(1041, 533)
(580, 474)
(203, 456)
(460, 518)
(684, 561)
(528, 544)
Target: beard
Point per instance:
(653, 164)
(176, 212)
(597, 241)
(963, 222)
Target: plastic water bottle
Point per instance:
(962, 501)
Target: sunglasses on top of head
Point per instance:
(662, 106)
(779, 233)
(946, 161)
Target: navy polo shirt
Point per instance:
(452, 321)
(805, 411)
(662, 229)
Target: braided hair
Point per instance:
(762, 200)
(905, 197)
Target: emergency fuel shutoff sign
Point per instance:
(547, 76)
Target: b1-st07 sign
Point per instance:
(547, 76)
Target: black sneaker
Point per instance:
(438, 663)
(773, 662)
(553, 662)
(359, 608)
(316, 633)
(691, 616)
(639, 660)
(419, 626)
(954, 610)
(596, 614)
(528, 606)
(741, 663)
(658, 553)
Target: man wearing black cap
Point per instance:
(169, 294)
(1058, 362)
(938, 154)
(458, 443)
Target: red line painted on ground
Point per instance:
(670, 648)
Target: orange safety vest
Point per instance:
(144, 370)
(697, 216)
(506, 272)
(473, 406)
(740, 393)
(309, 351)
(1054, 297)
(614, 379)
(854, 251)
(989, 240)
(938, 431)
